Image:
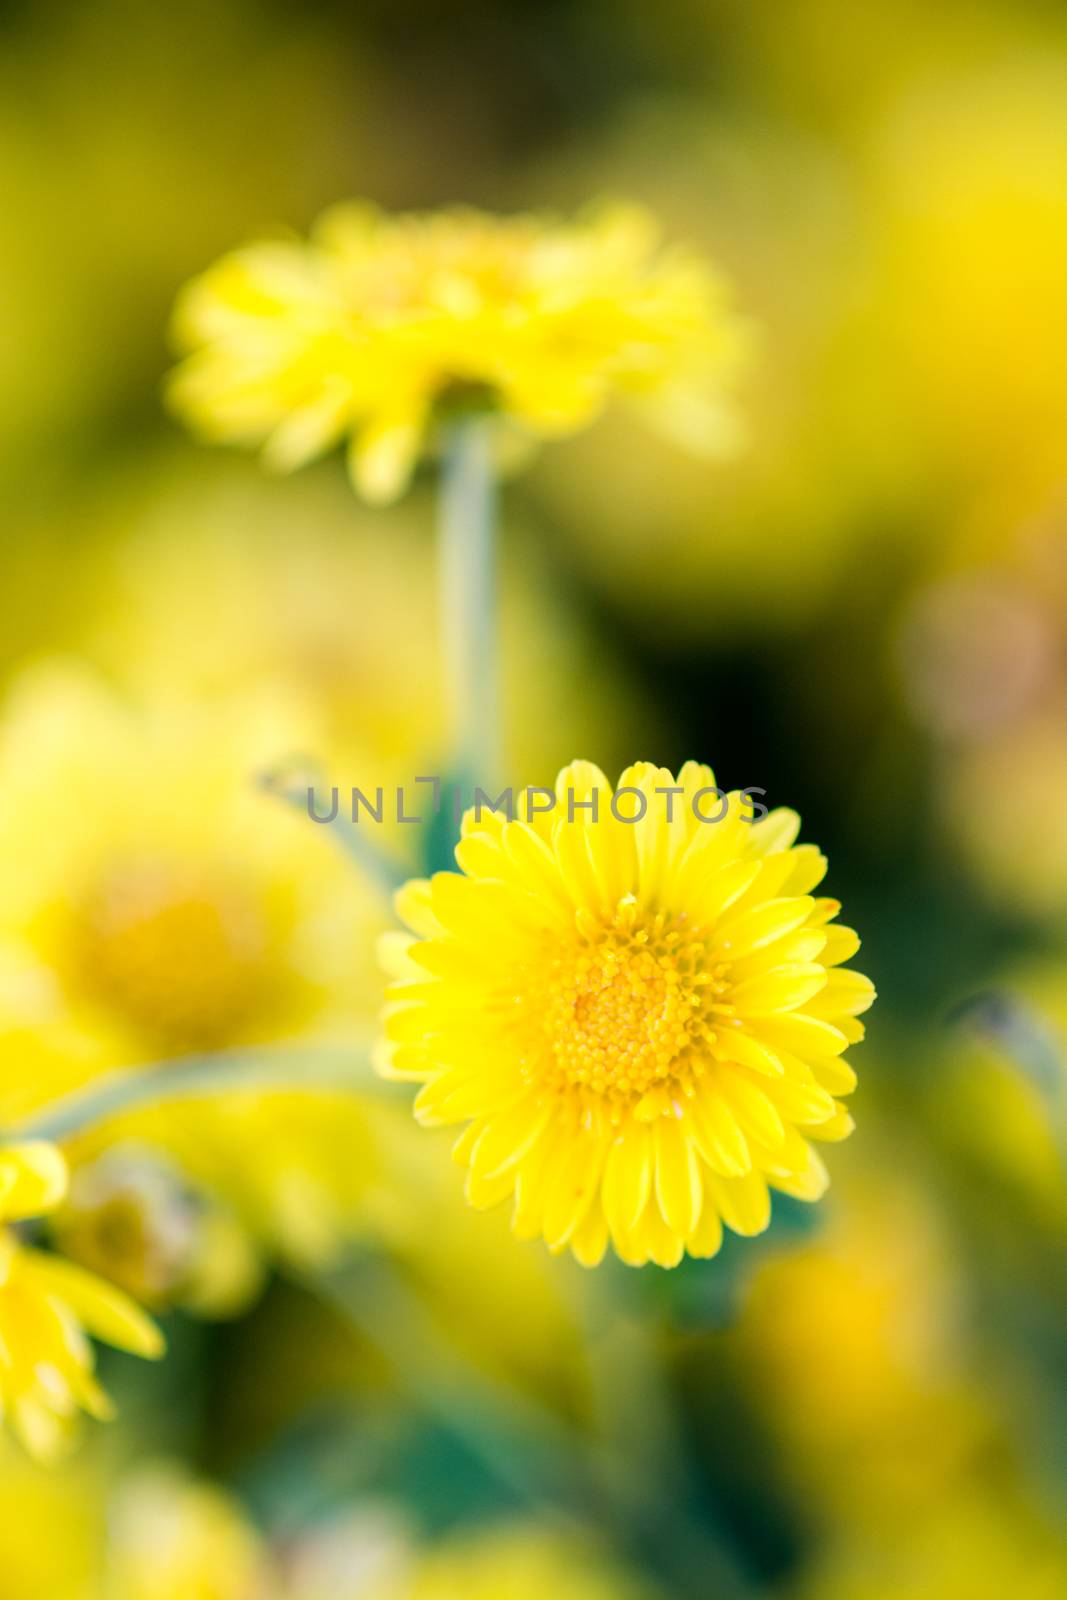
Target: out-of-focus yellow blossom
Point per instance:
(981, 655)
(910, 176)
(39, 1499)
(355, 1554)
(170, 1538)
(512, 1564)
(379, 326)
(48, 1307)
(516, 1562)
(134, 1216)
(972, 240)
(153, 904)
(851, 1348)
(999, 1100)
(978, 1545)
(190, 584)
(640, 1015)
(192, 588)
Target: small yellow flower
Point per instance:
(641, 1021)
(378, 324)
(47, 1306)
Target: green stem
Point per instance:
(468, 598)
(525, 1446)
(300, 785)
(193, 1077)
(521, 1447)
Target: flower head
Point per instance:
(47, 1306)
(378, 325)
(184, 913)
(641, 1021)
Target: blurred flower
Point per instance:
(508, 1563)
(154, 904)
(999, 1102)
(40, 1499)
(642, 1020)
(174, 1539)
(369, 1555)
(972, 223)
(47, 1306)
(133, 1216)
(981, 656)
(977, 1544)
(976, 651)
(190, 585)
(354, 1555)
(853, 1349)
(379, 326)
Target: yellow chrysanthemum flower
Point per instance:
(376, 325)
(47, 1306)
(156, 905)
(641, 1021)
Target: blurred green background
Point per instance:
(864, 613)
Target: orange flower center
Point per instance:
(627, 1009)
(180, 954)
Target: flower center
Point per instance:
(180, 953)
(627, 1009)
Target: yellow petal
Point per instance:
(627, 1177)
(774, 832)
(591, 1239)
(809, 1183)
(572, 1186)
(678, 1187)
(784, 988)
(744, 1203)
(755, 1111)
(740, 934)
(841, 945)
(507, 1136)
(414, 906)
(104, 1311)
(382, 457)
(735, 1044)
(33, 1180)
(705, 1240)
(847, 994)
(717, 1134)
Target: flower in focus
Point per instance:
(641, 1021)
(47, 1307)
(378, 325)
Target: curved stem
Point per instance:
(192, 1077)
(297, 784)
(468, 598)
